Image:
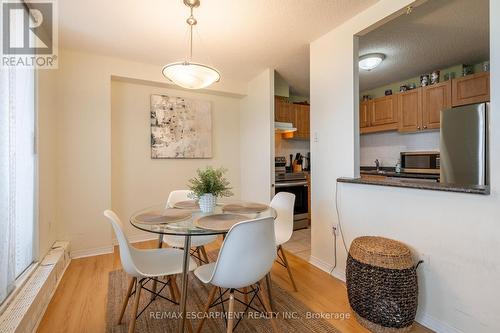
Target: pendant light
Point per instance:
(188, 74)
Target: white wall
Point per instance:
(386, 146)
(139, 181)
(257, 138)
(47, 141)
(83, 151)
(458, 234)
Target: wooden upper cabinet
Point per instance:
(383, 111)
(283, 111)
(364, 114)
(434, 99)
(302, 119)
(410, 110)
(471, 89)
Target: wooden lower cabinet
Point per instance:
(410, 110)
(373, 177)
(434, 99)
(471, 89)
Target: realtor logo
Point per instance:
(29, 34)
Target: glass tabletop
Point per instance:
(186, 226)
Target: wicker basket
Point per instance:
(382, 284)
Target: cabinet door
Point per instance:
(302, 121)
(383, 111)
(435, 98)
(283, 111)
(280, 112)
(364, 114)
(471, 89)
(410, 110)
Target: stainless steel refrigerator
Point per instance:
(464, 145)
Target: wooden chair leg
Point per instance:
(210, 299)
(127, 297)
(204, 252)
(175, 287)
(267, 306)
(245, 295)
(138, 288)
(171, 281)
(288, 268)
(230, 313)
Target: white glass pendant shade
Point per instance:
(191, 75)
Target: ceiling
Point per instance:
(240, 38)
(436, 35)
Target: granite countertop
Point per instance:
(391, 172)
(435, 186)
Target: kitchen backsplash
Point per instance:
(386, 146)
(285, 147)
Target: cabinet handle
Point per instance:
(425, 127)
(418, 127)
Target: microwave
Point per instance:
(420, 162)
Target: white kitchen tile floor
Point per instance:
(300, 244)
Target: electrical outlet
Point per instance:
(315, 136)
(335, 230)
(426, 260)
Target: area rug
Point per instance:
(162, 316)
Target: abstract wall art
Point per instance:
(180, 128)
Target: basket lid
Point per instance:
(381, 252)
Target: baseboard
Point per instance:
(437, 325)
(326, 267)
(109, 249)
(75, 254)
(137, 238)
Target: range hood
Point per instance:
(282, 128)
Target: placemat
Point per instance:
(187, 204)
(219, 222)
(245, 208)
(165, 216)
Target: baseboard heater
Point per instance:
(26, 308)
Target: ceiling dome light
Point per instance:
(188, 74)
(370, 61)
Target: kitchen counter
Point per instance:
(408, 183)
(391, 172)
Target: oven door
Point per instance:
(299, 188)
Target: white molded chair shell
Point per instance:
(283, 203)
(178, 241)
(146, 263)
(246, 256)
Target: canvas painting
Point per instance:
(180, 128)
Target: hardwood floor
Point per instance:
(79, 304)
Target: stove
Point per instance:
(296, 183)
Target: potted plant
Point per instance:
(209, 185)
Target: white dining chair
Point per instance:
(237, 267)
(146, 265)
(198, 242)
(283, 203)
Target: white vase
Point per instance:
(207, 202)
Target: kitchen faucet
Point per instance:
(377, 164)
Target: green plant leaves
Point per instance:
(210, 180)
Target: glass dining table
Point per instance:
(189, 228)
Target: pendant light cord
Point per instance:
(191, 35)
